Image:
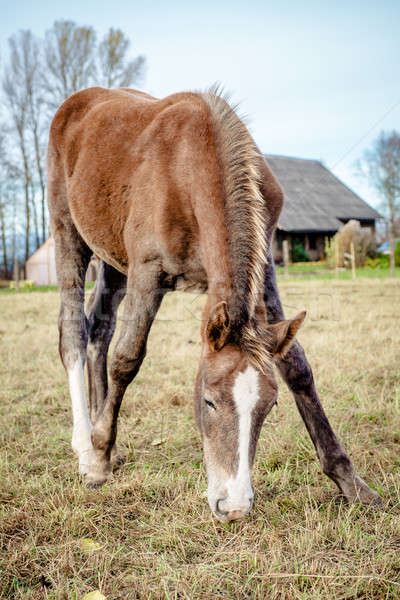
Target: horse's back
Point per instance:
(119, 156)
(89, 109)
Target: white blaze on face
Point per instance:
(245, 396)
(81, 441)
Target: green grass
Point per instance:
(154, 536)
(29, 290)
(298, 271)
(37, 288)
(319, 270)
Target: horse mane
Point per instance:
(245, 214)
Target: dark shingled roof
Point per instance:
(315, 200)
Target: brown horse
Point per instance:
(174, 193)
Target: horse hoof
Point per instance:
(372, 499)
(94, 485)
(96, 480)
(377, 502)
(362, 494)
(117, 460)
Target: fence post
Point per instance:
(336, 242)
(353, 260)
(285, 246)
(391, 254)
(16, 273)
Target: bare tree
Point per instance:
(8, 220)
(16, 81)
(12, 201)
(382, 162)
(38, 77)
(35, 218)
(115, 69)
(3, 233)
(38, 125)
(70, 60)
(9, 180)
(3, 179)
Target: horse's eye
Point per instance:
(209, 403)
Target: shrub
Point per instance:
(363, 240)
(23, 283)
(381, 261)
(330, 251)
(298, 253)
(397, 255)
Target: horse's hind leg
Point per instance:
(143, 298)
(298, 375)
(102, 316)
(72, 259)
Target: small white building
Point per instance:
(41, 266)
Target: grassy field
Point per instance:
(319, 270)
(299, 271)
(149, 533)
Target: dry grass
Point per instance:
(157, 536)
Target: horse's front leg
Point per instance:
(143, 298)
(298, 375)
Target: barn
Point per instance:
(316, 205)
(41, 266)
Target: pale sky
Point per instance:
(316, 79)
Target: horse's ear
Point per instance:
(283, 334)
(218, 327)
